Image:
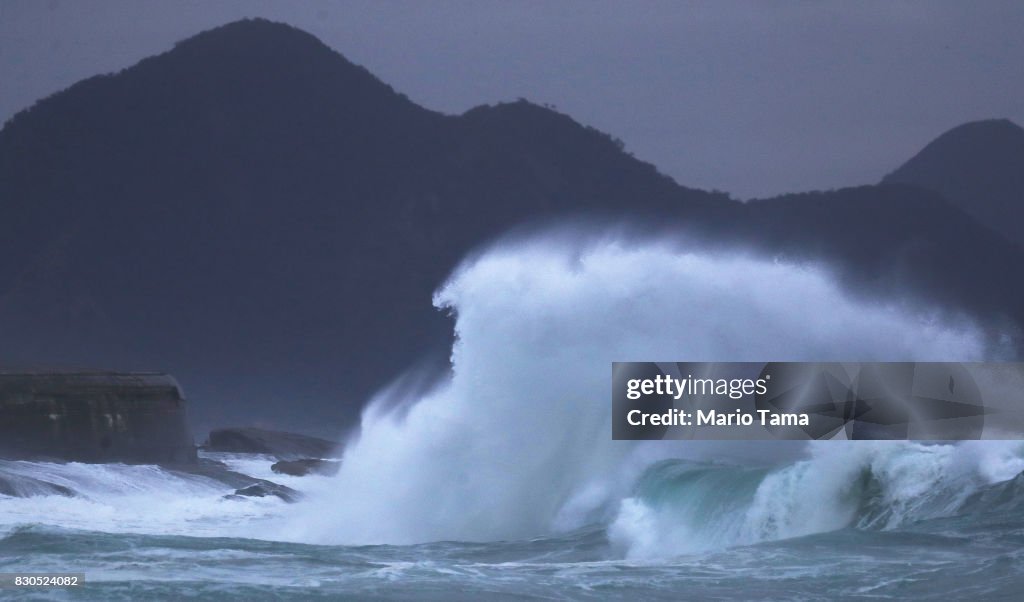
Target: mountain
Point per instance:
(268, 221)
(979, 167)
(269, 218)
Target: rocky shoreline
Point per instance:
(102, 417)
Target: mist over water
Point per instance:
(517, 443)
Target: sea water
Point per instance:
(502, 480)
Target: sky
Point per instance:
(753, 98)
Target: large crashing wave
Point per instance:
(518, 442)
(682, 507)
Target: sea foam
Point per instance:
(517, 443)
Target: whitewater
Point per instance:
(501, 480)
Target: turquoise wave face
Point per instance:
(683, 507)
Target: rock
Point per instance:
(218, 471)
(265, 488)
(305, 466)
(136, 418)
(285, 446)
(244, 485)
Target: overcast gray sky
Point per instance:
(754, 98)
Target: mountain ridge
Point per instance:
(272, 234)
(979, 167)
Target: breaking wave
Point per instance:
(681, 507)
(517, 442)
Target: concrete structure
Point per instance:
(94, 417)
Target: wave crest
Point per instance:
(682, 507)
(518, 442)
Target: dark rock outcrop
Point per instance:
(285, 446)
(94, 417)
(265, 488)
(243, 484)
(218, 471)
(305, 466)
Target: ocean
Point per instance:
(502, 481)
(908, 520)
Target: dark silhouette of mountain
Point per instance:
(898, 240)
(268, 221)
(979, 167)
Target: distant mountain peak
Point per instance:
(276, 48)
(999, 124)
(974, 142)
(987, 135)
(251, 61)
(978, 166)
(258, 33)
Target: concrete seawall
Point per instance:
(135, 418)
